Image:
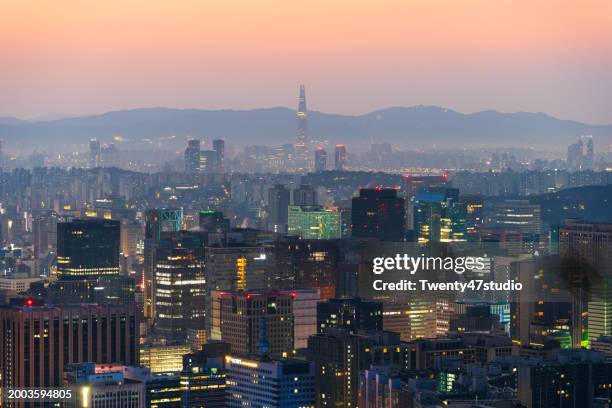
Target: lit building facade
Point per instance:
(269, 383)
(314, 222)
(163, 358)
(88, 248)
(439, 216)
(192, 157)
(39, 340)
(179, 291)
(241, 315)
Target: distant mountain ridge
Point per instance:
(417, 126)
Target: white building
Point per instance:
(266, 383)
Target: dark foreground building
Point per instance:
(37, 340)
(88, 248)
(378, 213)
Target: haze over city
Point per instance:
(71, 58)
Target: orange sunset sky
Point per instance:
(79, 57)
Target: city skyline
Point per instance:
(507, 56)
(230, 204)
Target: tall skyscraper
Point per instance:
(304, 315)
(320, 159)
(278, 206)
(378, 213)
(219, 148)
(87, 249)
(192, 157)
(179, 291)
(94, 153)
(590, 245)
(208, 162)
(340, 157)
(438, 216)
(37, 340)
(241, 322)
(157, 221)
(301, 142)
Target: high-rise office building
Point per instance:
(305, 195)
(314, 222)
(351, 314)
(192, 157)
(439, 216)
(575, 379)
(238, 268)
(320, 159)
(208, 162)
(378, 213)
(340, 356)
(307, 264)
(38, 340)
(304, 309)
(271, 383)
(241, 321)
(278, 204)
(304, 315)
(88, 248)
(519, 215)
(301, 141)
(94, 153)
(163, 358)
(157, 222)
(203, 379)
(179, 291)
(219, 148)
(412, 318)
(340, 157)
(580, 155)
(589, 246)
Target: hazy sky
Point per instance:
(61, 56)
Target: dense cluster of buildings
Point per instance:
(213, 288)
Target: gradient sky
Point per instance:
(62, 56)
